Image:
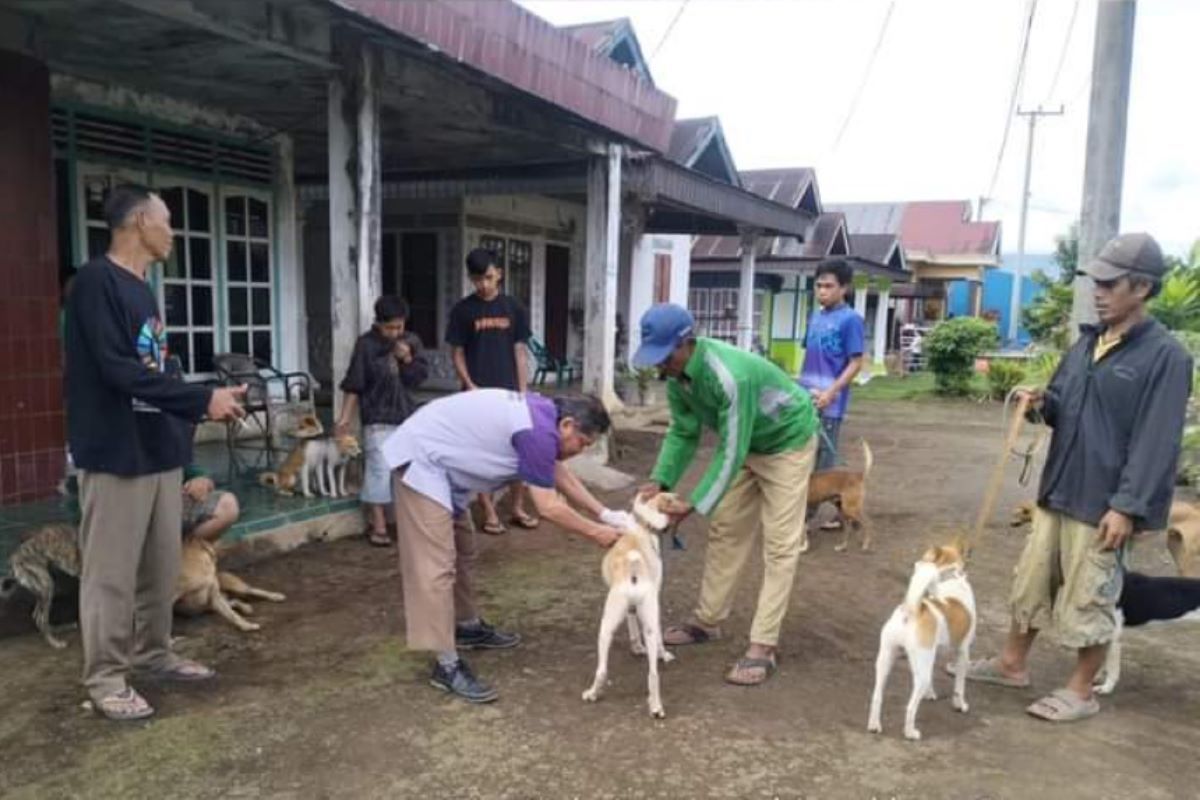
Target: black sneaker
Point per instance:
(484, 637)
(459, 680)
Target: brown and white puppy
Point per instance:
(1022, 514)
(632, 570)
(199, 588)
(202, 588)
(325, 457)
(1183, 538)
(847, 490)
(938, 612)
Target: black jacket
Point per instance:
(381, 382)
(1118, 423)
(125, 415)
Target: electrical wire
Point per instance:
(862, 84)
(670, 28)
(1062, 56)
(1018, 80)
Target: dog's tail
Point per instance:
(924, 575)
(637, 566)
(268, 479)
(868, 459)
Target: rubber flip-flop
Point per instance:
(687, 633)
(1063, 705)
(986, 670)
(493, 529)
(524, 521)
(767, 665)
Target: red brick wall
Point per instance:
(32, 432)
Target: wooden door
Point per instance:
(418, 284)
(558, 264)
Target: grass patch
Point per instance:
(918, 386)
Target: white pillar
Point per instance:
(745, 329)
(881, 325)
(354, 207)
(601, 274)
(370, 189)
(289, 303)
(860, 300)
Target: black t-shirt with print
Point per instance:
(487, 331)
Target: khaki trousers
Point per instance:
(129, 542)
(770, 492)
(437, 557)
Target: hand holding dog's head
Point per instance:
(659, 511)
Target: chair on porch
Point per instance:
(564, 371)
(270, 393)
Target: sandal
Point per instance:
(182, 670)
(746, 663)
(525, 521)
(493, 529)
(688, 633)
(987, 670)
(1063, 705)
(123, 706)
(378, 539)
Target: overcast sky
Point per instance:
(781, 75)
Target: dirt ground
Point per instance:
(325, 702)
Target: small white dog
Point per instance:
(632, 569)
(938, 613)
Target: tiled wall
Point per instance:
(32, 432)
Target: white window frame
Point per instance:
(248, 285)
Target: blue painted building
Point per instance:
(998, 288)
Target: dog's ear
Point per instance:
(649, 513)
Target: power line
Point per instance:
(1062, 56)
(1031, 6)
(671, 27)
(862, 84)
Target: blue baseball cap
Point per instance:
(664, 327)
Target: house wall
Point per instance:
(32, 434)
(642, 276)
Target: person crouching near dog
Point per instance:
(1116, 406)
(385, 365)
(452, 449)
(758, 476)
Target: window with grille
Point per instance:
(248, 279)
(188, 278)
(716, 312)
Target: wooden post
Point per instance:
(745, 329)
(881, 321)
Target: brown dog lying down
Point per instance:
(200, 587)
(847, 490)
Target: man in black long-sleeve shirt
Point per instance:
(129, 429)
(1117, 405)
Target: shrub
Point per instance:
(1003, 377)
(951, 350)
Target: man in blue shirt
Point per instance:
(833, 353)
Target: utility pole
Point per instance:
(1100, 220)
(1014, 307)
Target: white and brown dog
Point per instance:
(632, 569)
(938, 613)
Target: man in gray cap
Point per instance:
(1116, 406)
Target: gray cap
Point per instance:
(1128, 253)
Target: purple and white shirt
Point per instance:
(478, 441)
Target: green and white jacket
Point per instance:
(753, 405)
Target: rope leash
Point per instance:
(996, 483)
(1034, 447)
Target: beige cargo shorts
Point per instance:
(1064, 578)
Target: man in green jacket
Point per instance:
(758, 476)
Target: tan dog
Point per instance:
(846, 489)
(202, 588)
(632, 570)
(938, 612)
(1022, 515)
(1183, 538)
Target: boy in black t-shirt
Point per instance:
(487, 332)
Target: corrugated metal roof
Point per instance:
(605, 37)
(871, 217)
(875, 247)
(503, 40)
(933, 227)
(785, 186)
(688, 136)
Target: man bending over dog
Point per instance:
(1116, 405)
(758, 476)
(466, 444)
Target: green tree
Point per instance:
(1048, 318)
(1178, 302)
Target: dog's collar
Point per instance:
(949, 573)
